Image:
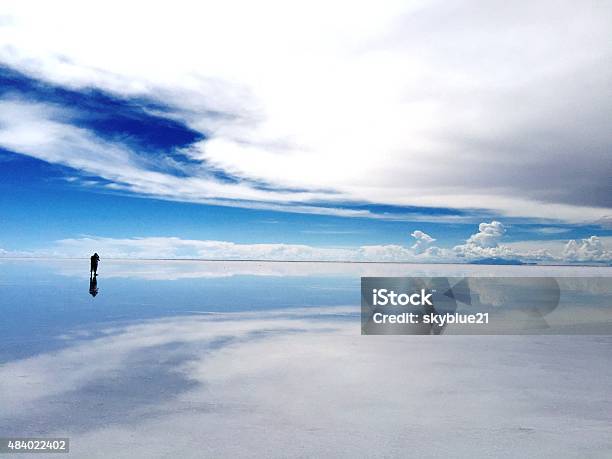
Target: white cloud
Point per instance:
(551, 230)
(585, 250)
(407, 103)
(483, 244)
(42, 131)
(486, 244)
(423, 241)
(173, 247)
(488, 236)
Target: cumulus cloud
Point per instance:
(173, 247)
(294, 88)
(488, 235)
(484, 244)
(585, 250)
(423, 241)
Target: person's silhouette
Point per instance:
(93, 285)
(95, 258)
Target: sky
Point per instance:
(363, 131)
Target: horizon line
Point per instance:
(593, 265)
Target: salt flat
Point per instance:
(199, 359)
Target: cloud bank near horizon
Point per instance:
(424, 104)
(484, 245)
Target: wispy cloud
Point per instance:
(44, 131)
(546, 230)
(302, 114)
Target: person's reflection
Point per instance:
(93, 285)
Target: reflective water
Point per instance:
(193, 359)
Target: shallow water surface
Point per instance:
(198, 359)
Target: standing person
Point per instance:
(95, 258)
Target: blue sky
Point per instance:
(400, 153)
(41, 207)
